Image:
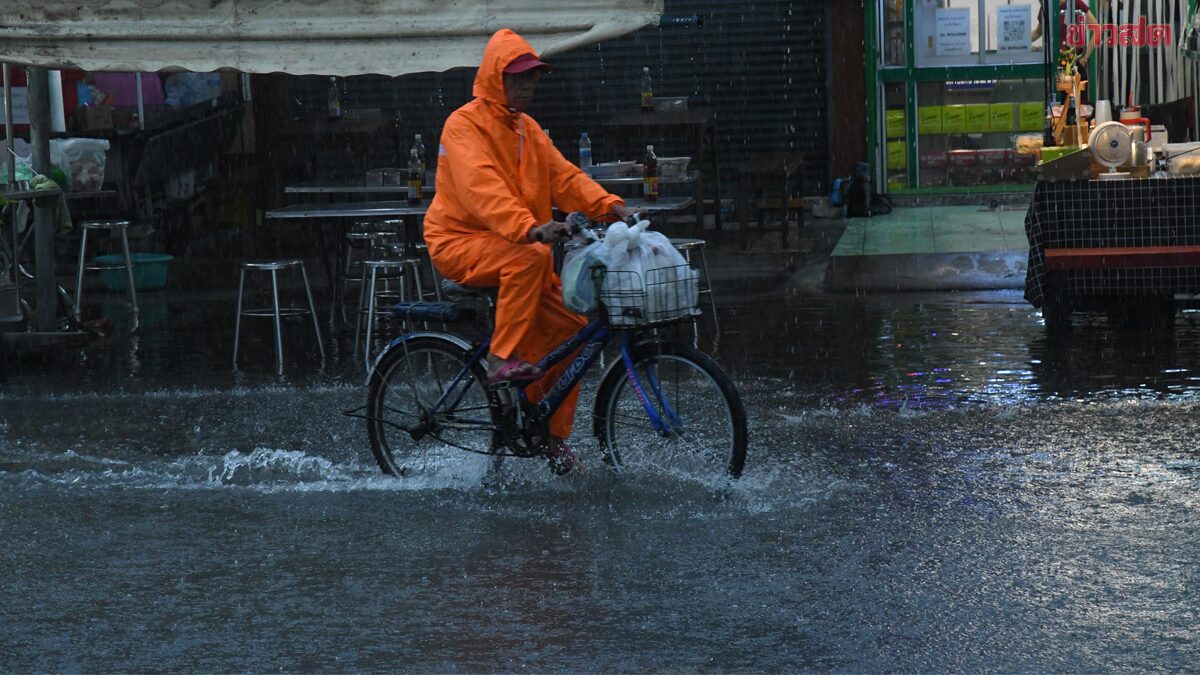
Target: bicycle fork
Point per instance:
(667, 427)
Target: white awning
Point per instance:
(325, 37)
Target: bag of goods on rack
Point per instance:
(579, 274)
(83, 159)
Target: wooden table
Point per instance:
(763, 178)
(357, 186)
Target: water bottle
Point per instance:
(333, 100)
(585, 151)
(416, 178)
(647, 90)
(650, 175)
(419, 146)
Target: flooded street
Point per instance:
(931, 485)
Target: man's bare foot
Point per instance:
(511, 369)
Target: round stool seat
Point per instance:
(103, 224)
(267, 265)
(686, 243)
(396, 263)
(400, 248)
(369, 234)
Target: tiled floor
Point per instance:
(935, 229)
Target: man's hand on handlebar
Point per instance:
(622, 212)
(550, 232)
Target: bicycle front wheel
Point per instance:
(700, 426)
(428, 414)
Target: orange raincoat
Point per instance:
(498, 176)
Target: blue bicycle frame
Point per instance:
(592, 338)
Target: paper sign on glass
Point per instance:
(953, 31)
(20, 101)
(1012, 24)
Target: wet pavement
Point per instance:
(932, 485)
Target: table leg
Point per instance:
(716, 164)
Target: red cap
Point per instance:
(525, 62)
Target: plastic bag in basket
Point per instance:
(648, 280)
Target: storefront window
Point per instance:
(895, 131)
(968, 131)
(950, 32)
(894, 52)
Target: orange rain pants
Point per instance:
(498, 176)
(530, 317)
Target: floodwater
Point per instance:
(932, 485)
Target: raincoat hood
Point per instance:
(504, 47)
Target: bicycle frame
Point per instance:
(590, 341)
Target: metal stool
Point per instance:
(114, 228)
(688, 247)
(371, 242)
(420, 252)
(275, 311)
(392, 270)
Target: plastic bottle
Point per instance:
(650, 175)
(585, 151)
(333, 100)
(416, 178)
(647, 90)
(419, 146)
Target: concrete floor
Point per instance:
(932, 248)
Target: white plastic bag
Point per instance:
(648, 279)
(83, 159)
(578, 276)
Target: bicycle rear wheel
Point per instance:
(703, 435)
(424, 421)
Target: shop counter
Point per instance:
(1095, 242)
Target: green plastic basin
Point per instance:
(149, 271)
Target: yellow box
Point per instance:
(897, 155)
(929, 119)
(978, 117)
(894, 185)
(895, 124)
(1002, 118)
(1032, 116)
(954, 119)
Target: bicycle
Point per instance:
(661, 402)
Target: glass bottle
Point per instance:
(650, 175)
(416, 178)
(333, 100)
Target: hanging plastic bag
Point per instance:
(579, 275)
(84, 160)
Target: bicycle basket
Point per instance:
(665, 294)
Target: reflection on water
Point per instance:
(932, 485)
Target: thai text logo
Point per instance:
(1140, 34)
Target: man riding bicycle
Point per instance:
(490, 223)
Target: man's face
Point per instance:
(519, 88)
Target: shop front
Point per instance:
(950, 84)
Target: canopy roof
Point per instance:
(326, 37)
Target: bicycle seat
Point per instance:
(454, 289)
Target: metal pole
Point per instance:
(141, 102)
(8, 126)
(43, 215)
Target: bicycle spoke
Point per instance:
(437, 407)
